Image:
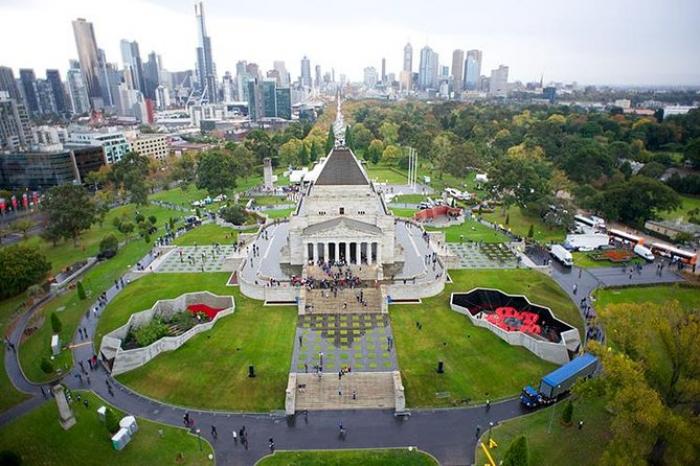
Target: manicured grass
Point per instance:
(409, 198)
(478, 364)
(369, 457)
(66, 253)
(280, 213)
(549, 441)
(207, 234)
(405, 213)
(687, 296)
(582, 259)
(389, 175)
(688, 203)
(70, 309)
(519, 224)
(40, 440)
(10, 396)
(179, 196)
(271, 200)
(211, 369)
(471, 230)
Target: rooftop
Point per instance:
(341, 169)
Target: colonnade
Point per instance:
(352, 252)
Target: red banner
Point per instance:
(2, 206)
(25, 201)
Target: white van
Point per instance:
(644, 253)
(562, 255)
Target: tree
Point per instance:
(289, 152)
(517, 454)
(389, 132)
(244, 158)
(216, 172)
(56, 324)
(69, 211)
(391, 155)
(568, 413)
(330, 139)
(109, 245)
(348, 138)
(46, 366)
(313, 155)
(183, 168)
(81, 291)
(374, 151)
(636, 200)
(531, 231)
(361, 137)
(111, 421)
(20, 267)
(441, 149)
(261, 146)
(130, 173)
(234, 214)
(652, 170)
(303, 155)
(692, 151)
(23, 226)
(152, 219)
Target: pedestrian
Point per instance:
(86, 403)
(354, 394)
(214, 433)
(43, 392)
(186, 419)
(87, 376)
(235, 437)
(300, 340)
(580, 424)
(478, 431)
(488, 405)
(271, 444)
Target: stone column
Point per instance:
(65, 414)
(325, 251)
(379, 252)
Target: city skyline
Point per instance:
(624, 46)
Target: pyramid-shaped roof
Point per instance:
(342, 169)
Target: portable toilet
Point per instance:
(129, 423)
(121, 439)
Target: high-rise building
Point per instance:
(29, 90)
(408, 58)
(383, 78)
(458, 71)
(305, 72)
(282, 73)
(15, 126)
(370, 77)
(8, 83)
(229, 88)
(498, 84)
(428, 69)
(77, 89)
(317, 78)
(47, 101)
(59, 92)
(472, 70)
(133, 66)
(206, 69)
(283, 97)
(87, 54)
(266, 100)
(151, 75)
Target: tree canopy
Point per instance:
(69, 211)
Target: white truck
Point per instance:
(644, 252)
(586, 242)
(560, 253)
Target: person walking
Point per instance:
(271, 444)
(214, 433)
(235, 437)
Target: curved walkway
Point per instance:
(448, 434)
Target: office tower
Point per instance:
(29, 90)
(383, 70)
(282, 73)
(151, 75)
(59, 92)
(87, 55)
(229, 88)
(266, 100)
(110, 79)
(206, 69)
(8, 83)
(242, 78)
(44, 93)
(317, 78)
(253, 70)
(472, 70)
(77, 90)
(283, 97)
(458, 71)
(133, 66)
(370, 77)
(15, 126)
(428, 69)
(408, 58)
(305, 72)
(162, 98)
(498, 84)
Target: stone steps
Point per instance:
(334, 305)
(374, 390)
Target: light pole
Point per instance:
(490, 427)
(199, 438)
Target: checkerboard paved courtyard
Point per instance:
(359, 341)
(485, 256)
(192, 259)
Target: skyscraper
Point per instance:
(8, 83)
(383, 69)
(29, 90)
(408, 58)
(282, 73)
(472, 70)
(457, 70)
(317, 78)
(498, 84)
(59, 92)
(151, 73)
(370, 77)
(133, 66)
(47, 101)
(77, 89)
(206, 69)
(428, 69)
(15, 128)
(305, 72)
(87, 54)
(229, 88)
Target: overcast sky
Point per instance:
(589, 41)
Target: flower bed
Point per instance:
(612, 255)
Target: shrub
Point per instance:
(531, 231)
(152, 219)
(20, 267)
(153, 331)
(233, 214)
(139, 218)
(507, 219)
(568, 413)
(56, 324)
(109, 244)
(46, 365)
(81, 291)
(516, 455)
(111, 421)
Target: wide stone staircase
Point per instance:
(323, 301)
(372, 390)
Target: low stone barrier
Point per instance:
(290, 399)
(399, 394)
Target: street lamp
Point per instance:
(199, 438)
(490, 427)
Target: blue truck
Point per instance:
(558, 382)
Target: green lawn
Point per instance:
(179, 196)
(389, 175)
(279, 213)
(687, 296)
(400, 212)
(409, 198)
(270, 200)
(211, 370)
(582, 259)
(70, 309)
(10, 396)
(549, 441)
(688, 203)
(519, 224)
(478, 364)
(207, 234)
(369, 457)
(471, 230)
(40, 440)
